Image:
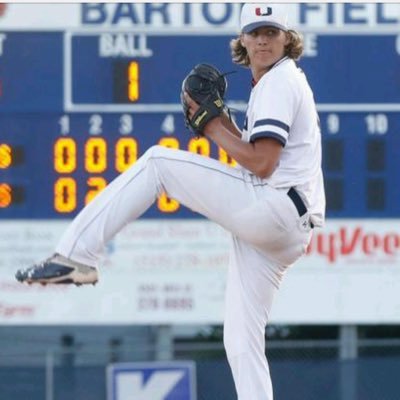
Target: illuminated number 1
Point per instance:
(133, 81)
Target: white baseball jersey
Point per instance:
(269, 233)
(281, 106)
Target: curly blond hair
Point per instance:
(294, 49)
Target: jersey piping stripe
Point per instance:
(273, 122)
(268, 134)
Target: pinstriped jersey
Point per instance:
(282, 107)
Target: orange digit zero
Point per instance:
(5, 156)
(5, 195)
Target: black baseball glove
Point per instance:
(207, 87)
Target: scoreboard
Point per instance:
(78, 106)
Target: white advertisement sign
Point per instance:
(162, 272)
(350, 275)
(153, 272)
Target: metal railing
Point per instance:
(50, 375)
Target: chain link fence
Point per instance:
(300, 369)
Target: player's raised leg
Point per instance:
(205, 185)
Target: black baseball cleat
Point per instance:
(58, 269)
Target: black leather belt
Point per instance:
(298, 203)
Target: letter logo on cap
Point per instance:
(259, 13)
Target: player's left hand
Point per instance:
(197, 116)
(201, 97)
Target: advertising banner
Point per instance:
(159, 272)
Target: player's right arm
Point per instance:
(260, 157)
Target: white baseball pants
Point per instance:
(267, 237)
